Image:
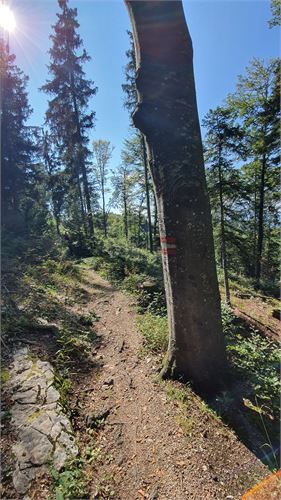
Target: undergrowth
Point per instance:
(254, 359)
(73, 480)
(155, 332)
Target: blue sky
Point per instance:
(226, 34)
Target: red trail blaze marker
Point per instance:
(168, 245)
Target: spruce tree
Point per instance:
(222, 144)
(257, 106)
(68, 115)
(17, 146)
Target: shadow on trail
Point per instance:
(49, 327)
(249, 403)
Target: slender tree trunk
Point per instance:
(139, 223)
(253, 271)
(125, 213)
(269, 247)
(167, 116)
(48, 169)
(82, 161)
(260, 220)
(147, 194)
(223, 242)
(75, 171)
(104, 211)
(155, 221)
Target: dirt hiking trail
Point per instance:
(151, 439)
(145, 453)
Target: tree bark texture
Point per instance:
(167, 116)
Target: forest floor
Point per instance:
(144, 438)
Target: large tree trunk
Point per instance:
(167, 116)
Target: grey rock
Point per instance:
(42, 423)
(44, 433)
(26, 397)
(21, 481)
(45, 367)
(52, 395)
(60, 457)
(33, 447)
(23, 478)
(22, 364)
(21, 413)
(68, 442)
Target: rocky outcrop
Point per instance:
(44, 435)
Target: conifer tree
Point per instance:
(222, 141)
(68, 115)
(17, 145)
(257, 106)
(275, 6)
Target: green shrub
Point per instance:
(155, 332)
(257, 361)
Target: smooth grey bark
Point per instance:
(167, 116)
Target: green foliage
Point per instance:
(186, 424)
(75, 345)
(256, 358)
(63, 384)
(70, 482)
(176, 393)
(69, 120)
(155, 332)
(137, 271)
(275, 6)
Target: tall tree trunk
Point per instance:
(167, 116)
(147, 194)
(48, 169)
(253, 271)
(155, 221)
(260, 221)
(223, 242)
(81, 161)
(125, 213)
(104, 211)
(76, 176)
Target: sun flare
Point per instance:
(7, 18)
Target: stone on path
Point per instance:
(44, 434)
